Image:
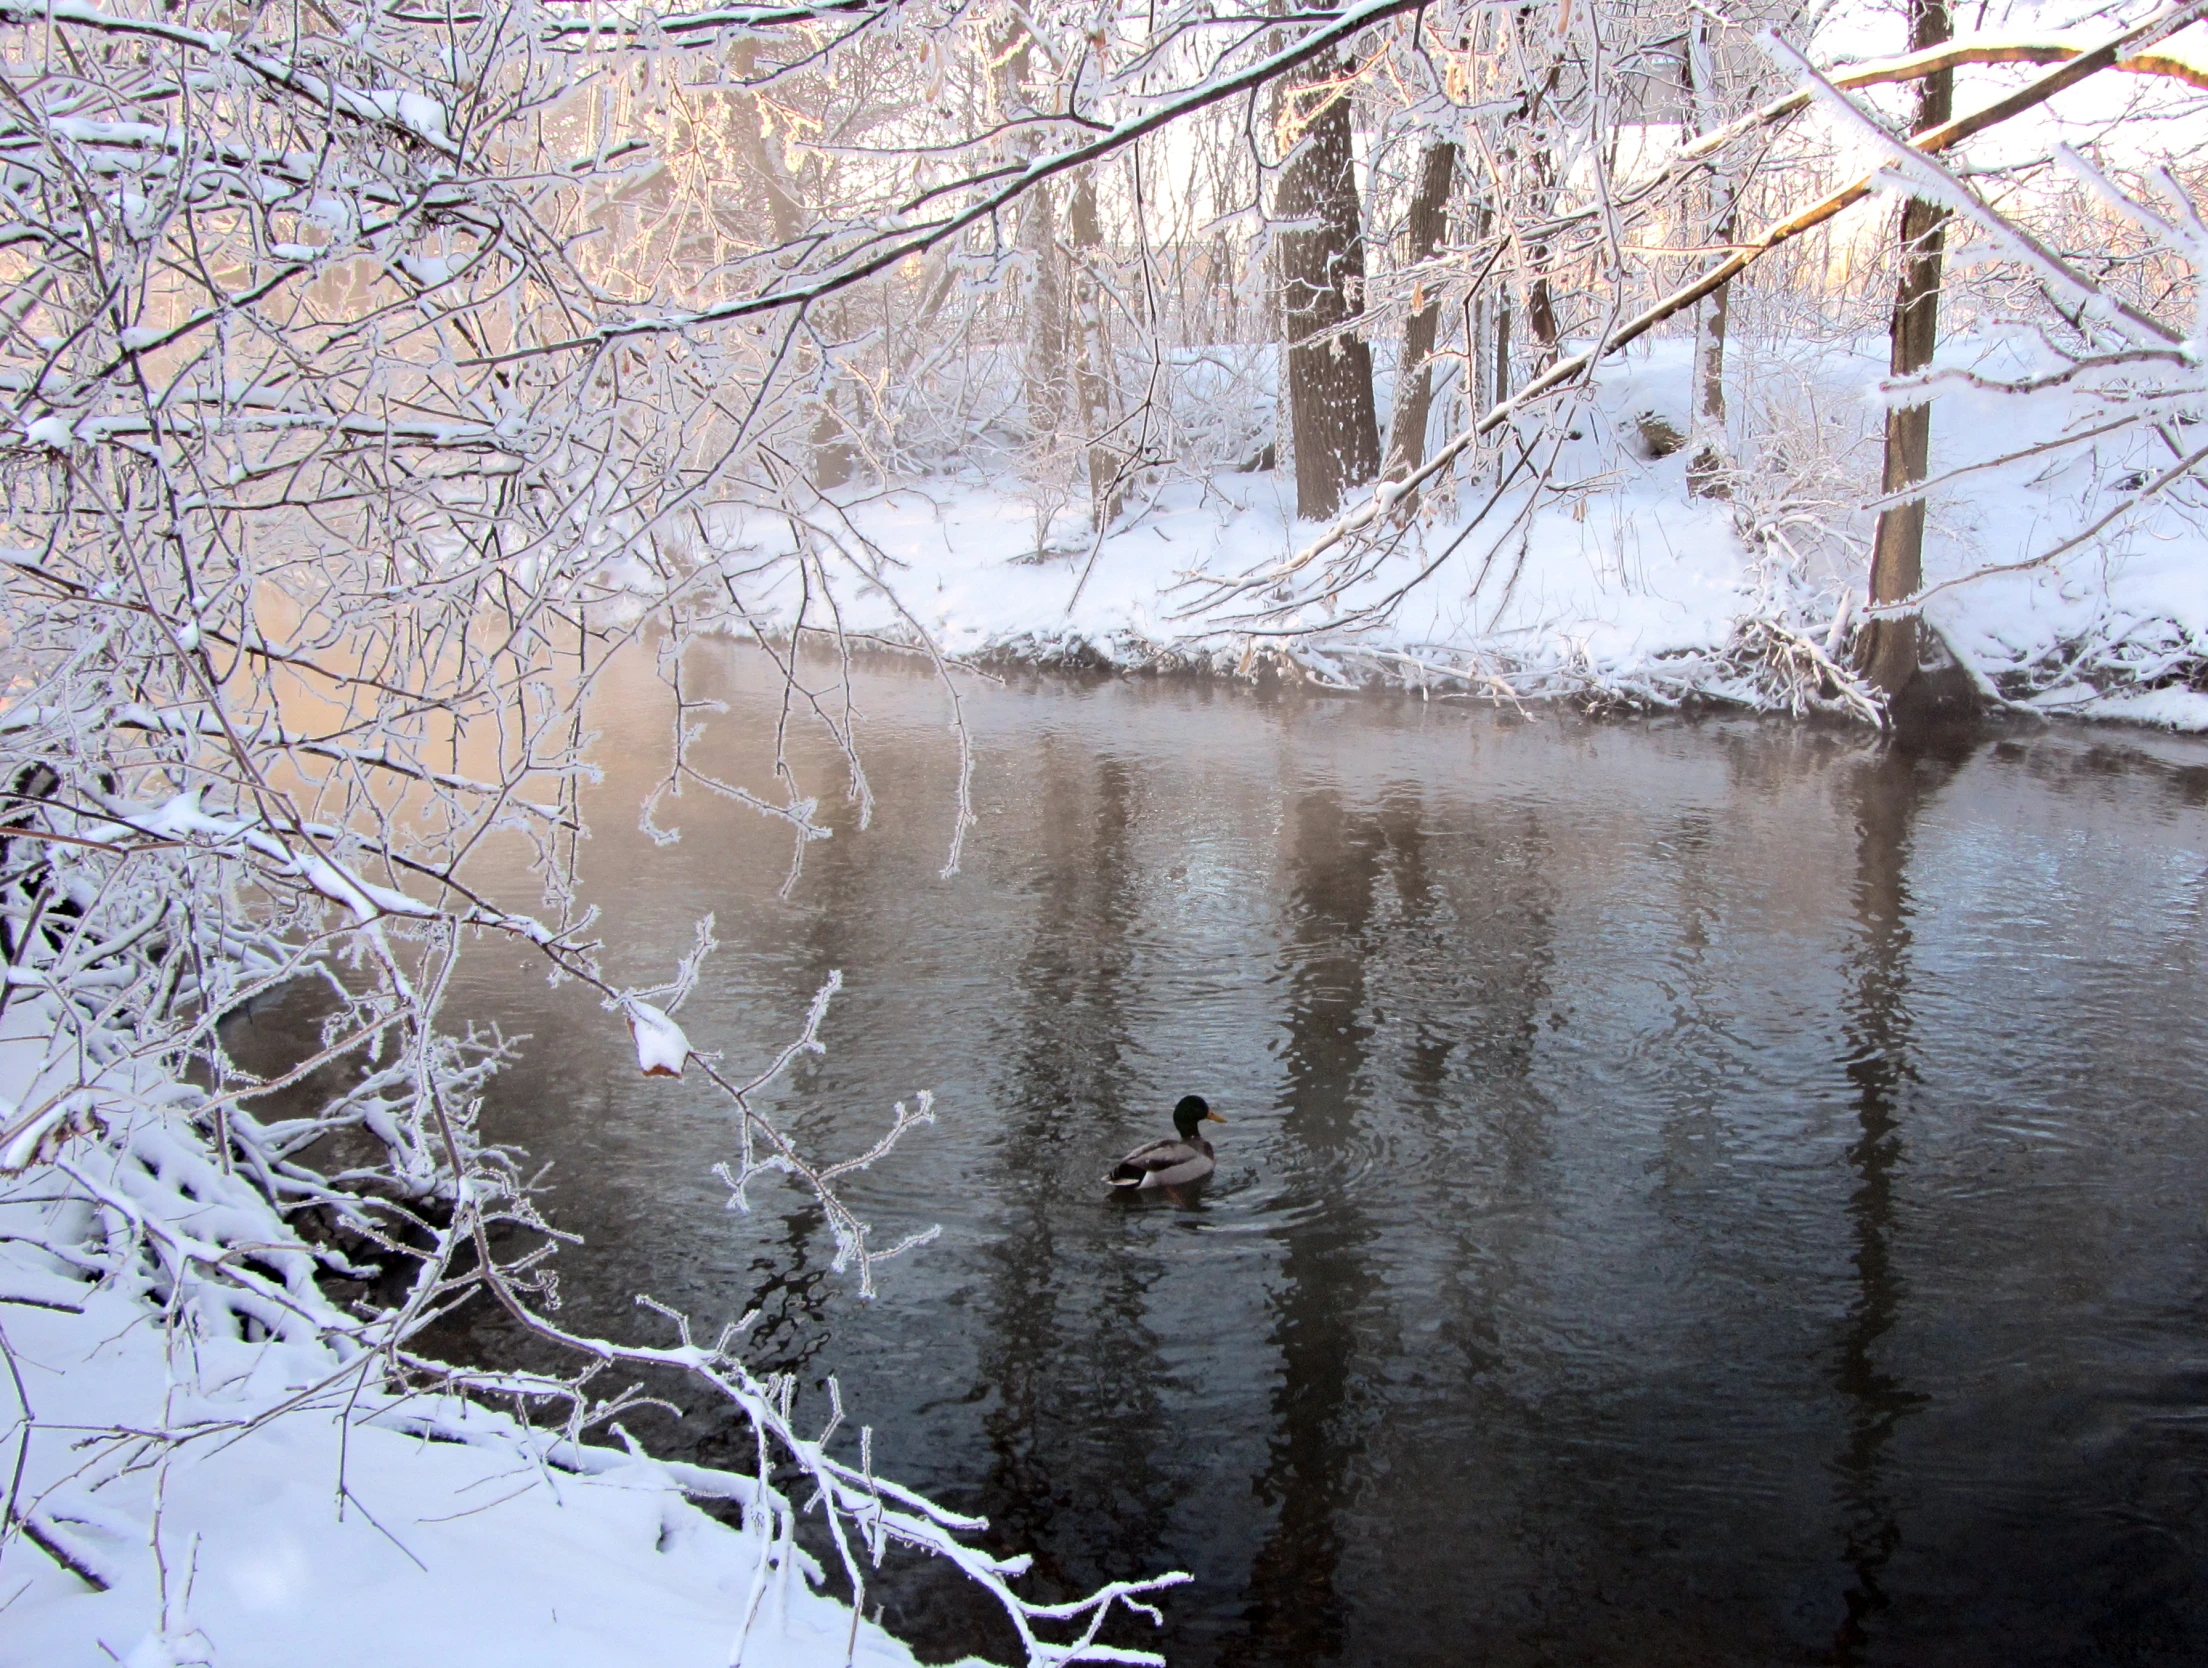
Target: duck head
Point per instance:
(1193, 1110)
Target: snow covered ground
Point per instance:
(1622, 581)
(379, 1532)
(298, 1511)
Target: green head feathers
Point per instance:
(1193, 1110)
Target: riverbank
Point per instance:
(210, 1461)
(1612, 584)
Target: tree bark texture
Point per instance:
(1888, 650)
(1479, 324)
(1706, 465)
(1095, 384)
(1706, 469)
(833, 451)
(1414, 377)
(1540, 164)
(785, 214)
(1540, 302)
(1335, 426)
(1541, 310)
(1044, 379)
(1043, 300)
(1046, 318)
(1502, 389)
(834, 446)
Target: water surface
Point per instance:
(1695, 1192)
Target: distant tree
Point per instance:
(1321, 256)
(1414, 388)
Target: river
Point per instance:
(1694, 1191)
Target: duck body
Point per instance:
(1167, 1163)
(1179, 1160)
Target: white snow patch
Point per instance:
(1630, 580)
(2172, 709)
(321, 1514)
(661, 1048)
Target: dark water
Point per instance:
(1696, 1192)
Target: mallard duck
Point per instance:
(1179, 1162)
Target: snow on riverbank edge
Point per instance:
(1625, 588)
(178, 1494)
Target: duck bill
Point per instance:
(1213, 1118)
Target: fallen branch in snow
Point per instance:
(1802, 674)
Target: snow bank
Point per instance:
(212, 1469)
(339, 1531)
(1622, 582)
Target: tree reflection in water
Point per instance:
(1890, 789)
(1069, 1370)
(1293, 1611)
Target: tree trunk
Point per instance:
(1888, 649)
(1706, 465)
(1480, 324)
(1095, 383)
(916, 336)
(1541, 167)
(1046, 319)
(1541, 309)
(1414, 376)
(1540, 303)
(1043, 297)
(1322, 279)
(1706, 468)
(1502, 347)
(784, 213)
(830, 439)
(834, 449)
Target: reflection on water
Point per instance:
(1069, 1374)
(1324, 1286)
(1692, 1193)
(1890, 786)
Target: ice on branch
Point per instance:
(661, 1048)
